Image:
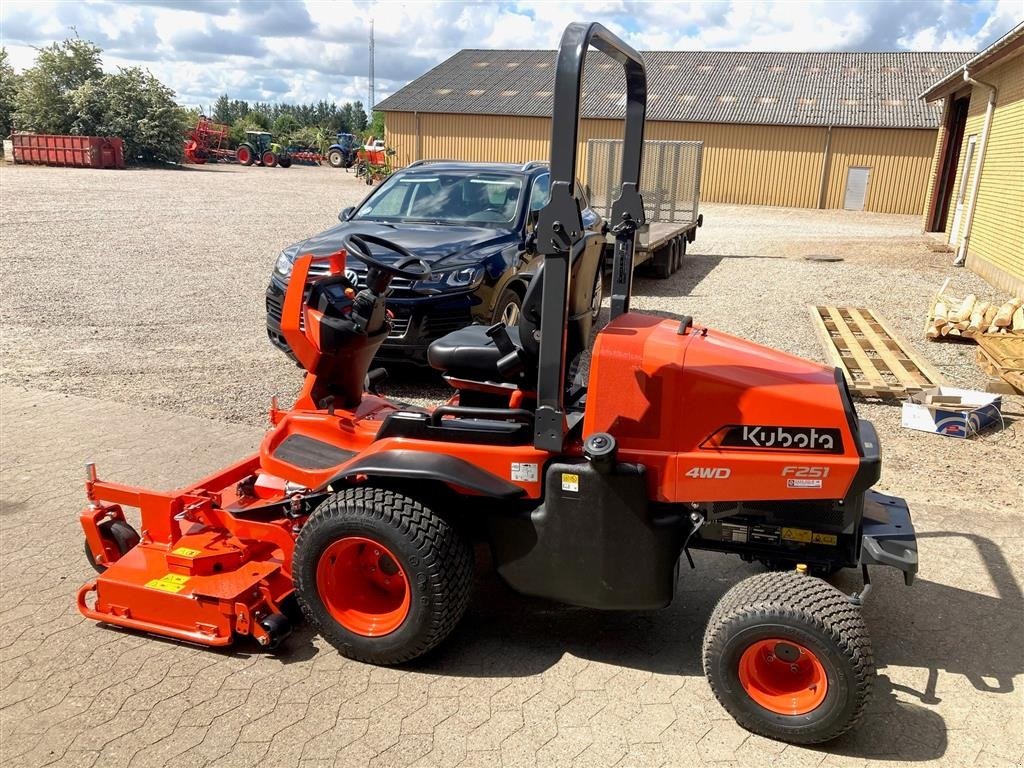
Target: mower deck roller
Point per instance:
(363, 512)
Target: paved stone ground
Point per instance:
(97, 367)
(520, 683)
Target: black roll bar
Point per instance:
(560, 223)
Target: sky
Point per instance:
(307, 50)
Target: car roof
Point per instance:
(458, 165)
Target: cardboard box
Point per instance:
(952, 412)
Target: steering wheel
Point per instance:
(409, 266)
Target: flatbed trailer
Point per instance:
(670, 185)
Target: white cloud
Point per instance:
(276, 50)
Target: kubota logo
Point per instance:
(749, 436)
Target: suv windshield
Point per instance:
(446, 197)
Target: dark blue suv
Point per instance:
(472, 222)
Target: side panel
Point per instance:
(665, 396)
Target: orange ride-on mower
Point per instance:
(364, 511)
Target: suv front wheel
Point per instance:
(508, 308)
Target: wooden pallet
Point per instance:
(876, 361)
(1003, 358)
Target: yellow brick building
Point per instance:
(976, 190)
(810, 130)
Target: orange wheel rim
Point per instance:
(783, 677)
(363, 586)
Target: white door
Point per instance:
(856, 188)
(961, 195)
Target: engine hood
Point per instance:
(440, 246)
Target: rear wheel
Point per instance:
(245, 155)
(335, 158)
(269, 159)
(380, 576)
(118, 537)
(789, 657)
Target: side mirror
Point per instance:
(346, 213)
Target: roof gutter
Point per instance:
(965, 237)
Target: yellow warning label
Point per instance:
(172, 582)
(186, 552)
(796, 534)
(570, 482)
(824, 538)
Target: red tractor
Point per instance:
(589, 491)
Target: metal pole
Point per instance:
(370, 110)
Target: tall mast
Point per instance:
(370, 105)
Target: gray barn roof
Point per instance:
(840, 89)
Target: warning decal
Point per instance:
(524, 472)
(570, 482)
(797, 534)
(172, 582)
(186, 552)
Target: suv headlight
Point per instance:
(283, 266)
(466, 277)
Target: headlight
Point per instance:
(465, 277)
(283, 267)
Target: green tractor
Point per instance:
(259, 149)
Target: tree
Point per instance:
(136, 106)
(222, 111)
(8, 89)
(376, 128)
(251, 122)
(43, 99)
(358, 118)
(284, 127)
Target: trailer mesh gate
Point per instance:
(669, 178)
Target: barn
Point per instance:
(807, 130)
(976, 195)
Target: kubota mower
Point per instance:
(590, 492)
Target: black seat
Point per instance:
(469, 353)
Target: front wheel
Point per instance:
(508, 309)
(380, 576)
(269, 159)
(788, 656)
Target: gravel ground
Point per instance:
(146, 287)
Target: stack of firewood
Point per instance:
(972, 316)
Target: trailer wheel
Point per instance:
(245, 155)
(380, 576)
(680, 250)
(789, 657)
(661, 262)
(269, 159)
(116, 534)
(335, 158)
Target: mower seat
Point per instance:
(469, 353)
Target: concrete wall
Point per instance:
(743, 164)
